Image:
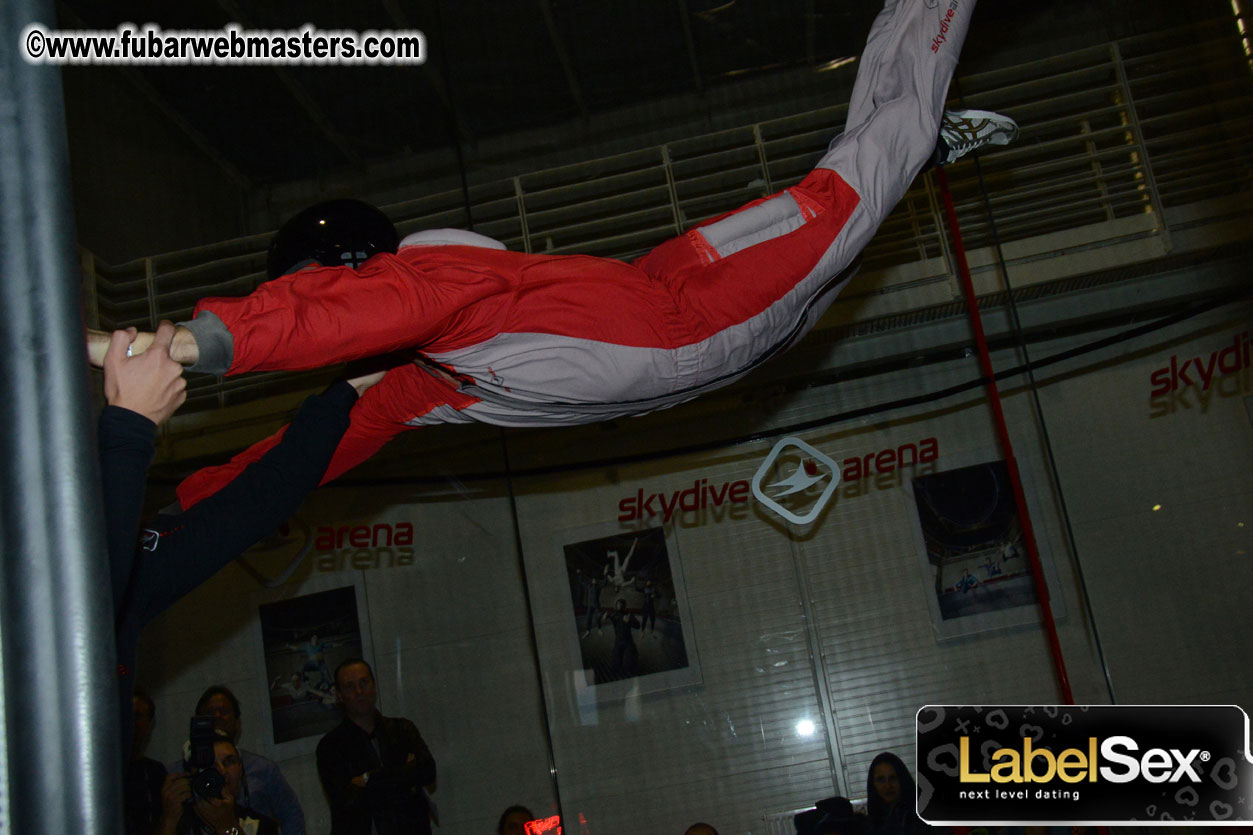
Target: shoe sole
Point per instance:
(1001, 134)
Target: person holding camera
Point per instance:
(264, 788)
(202, 799)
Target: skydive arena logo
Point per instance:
(795, 481)
(1084, 765)
(812, 469)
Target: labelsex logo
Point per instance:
(806, 473)
(1084, 764)
(1073, 765)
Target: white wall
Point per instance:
(1169, 586)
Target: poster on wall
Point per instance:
(304, 639)
(628, 614)
(973, 551)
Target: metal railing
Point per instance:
(1113, 137)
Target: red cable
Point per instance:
(1002, 431)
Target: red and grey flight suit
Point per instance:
(548, 340)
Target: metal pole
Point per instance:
(761, 158)
(60, 747)
(1133, 122)
(521, 198)
(674, 191)
(544, 701)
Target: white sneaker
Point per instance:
(962, 131)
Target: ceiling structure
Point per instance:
(501, 66)
(492, 68)
(509, 88)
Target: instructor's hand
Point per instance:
(150, 384)
(365, 381)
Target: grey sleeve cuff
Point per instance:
(214, 342)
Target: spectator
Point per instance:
(264, 788)
(373, 768)
(890, 797)
(144, 776)
(513, 821)
(183, 813)
(700, 828)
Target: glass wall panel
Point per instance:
(615, 624)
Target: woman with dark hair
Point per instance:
(890, 797)
(513, 820)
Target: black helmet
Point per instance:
(334, 233)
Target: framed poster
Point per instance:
(628, 626)
(303, 640)
(973, 552)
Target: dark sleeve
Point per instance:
(423, 765)
(126, 450)
(420, 772)
(341, 795)
(196, 544)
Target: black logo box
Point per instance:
(1211, 739)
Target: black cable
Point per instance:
(530, 619)
(451, 113)
(1054, 476)
(1042, 426)
(504, 449)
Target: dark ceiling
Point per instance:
(493, 67)
(499, 66)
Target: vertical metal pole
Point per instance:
(544, 702)
(818, 665)
(1085, 130)
(674, 192)
(91, 289)
(60, 746)
(526, 231)
(761, 158)
(1240, 9)
(915, 227)
(150, 287)
(1133, 121)
(937, 217)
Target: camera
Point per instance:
(206, 781)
